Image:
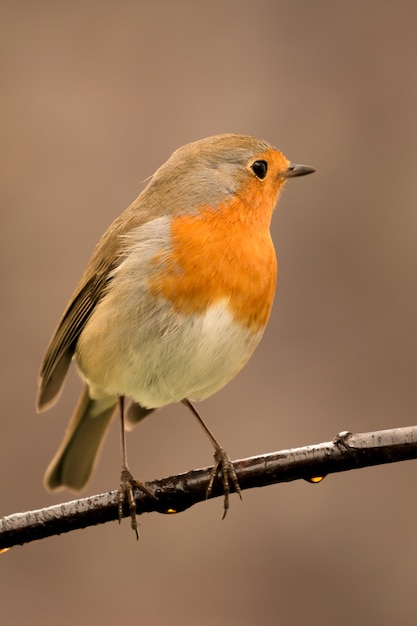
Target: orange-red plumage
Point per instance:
(216, 255)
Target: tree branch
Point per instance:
(347, 451)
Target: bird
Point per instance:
(173, 302)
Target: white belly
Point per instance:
(164, 357)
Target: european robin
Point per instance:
(174, 300)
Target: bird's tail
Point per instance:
(73, 463)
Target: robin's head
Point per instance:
(216, 169)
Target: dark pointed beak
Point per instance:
(298, 170)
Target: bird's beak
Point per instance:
(298, 170)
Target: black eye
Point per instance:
(259, 168)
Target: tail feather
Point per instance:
(73, 463)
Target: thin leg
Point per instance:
(222, 462)
(127, 482)
(122, 431)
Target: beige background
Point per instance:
(96, 95)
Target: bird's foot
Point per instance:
(125, 494)
(228, 476)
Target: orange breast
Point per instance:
(220, 254)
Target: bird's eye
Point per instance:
(259, 168)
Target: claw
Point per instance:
(127, 483)
(224, 464)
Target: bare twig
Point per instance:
(174, 494)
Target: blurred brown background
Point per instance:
(95, 96)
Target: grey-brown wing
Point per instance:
(61, 348)
(108, 253)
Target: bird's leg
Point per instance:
(127, 482)
(222, 462)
